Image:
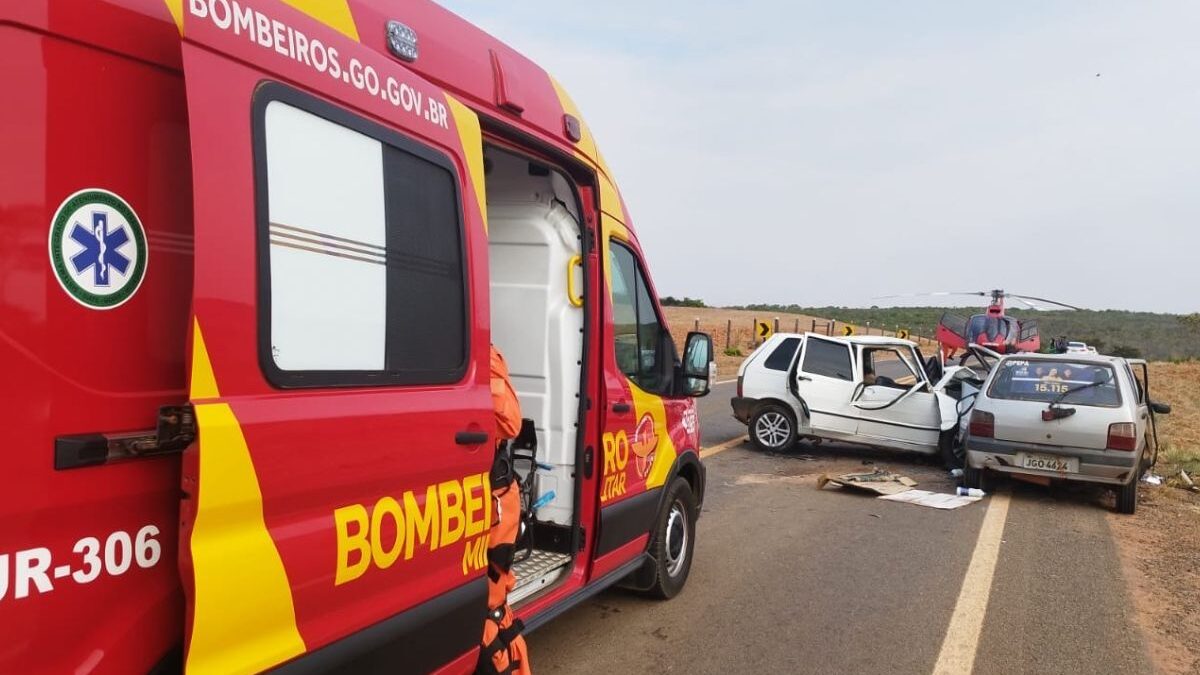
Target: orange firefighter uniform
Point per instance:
(503, 649)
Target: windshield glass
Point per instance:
(1044, 381)
(984, 328)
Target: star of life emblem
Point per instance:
(98, 249)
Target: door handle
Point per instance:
(471, 437)
(803, 378)
(621, 408)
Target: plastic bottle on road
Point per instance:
(970, 492)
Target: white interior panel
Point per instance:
(328, 311)
(533, 236)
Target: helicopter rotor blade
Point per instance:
(935, 293)
(1017, 298)
(1052, 302)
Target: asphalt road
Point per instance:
(791, 579)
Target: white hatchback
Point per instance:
(871, 390)
(1075, 416)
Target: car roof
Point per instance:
(1079, 357)
(854, 339)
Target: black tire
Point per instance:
(974, 478)
(673, 541)
(953, 453)
(772, 428)
(1127, 497)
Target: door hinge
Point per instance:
(176, 429)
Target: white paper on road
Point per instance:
(931, 499)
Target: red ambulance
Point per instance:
(253, 255)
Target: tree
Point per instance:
(672, 301)
(1127, 352)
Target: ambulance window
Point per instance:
(641, 343)
(361, 263)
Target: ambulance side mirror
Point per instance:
(696, 375)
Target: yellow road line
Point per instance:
(962, 636)
(721, 447)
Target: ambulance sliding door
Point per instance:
(336, 501)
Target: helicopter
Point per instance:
(992, 329)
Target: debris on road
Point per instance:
(1188, 482)
(879, 481)
(765, 478)
(1152, 479)
(931, 499)
(964, 491)
(956, 473)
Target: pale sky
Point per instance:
(824, 153)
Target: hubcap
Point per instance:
(773, 429)
(677, 538)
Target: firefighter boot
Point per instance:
(503, 648)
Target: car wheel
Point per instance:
(674, 539)
(1127, 496)
(772, 428)
(974, 478)
(953, 453)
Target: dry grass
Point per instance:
(734, 328)
(1160, 545)
(1179, 433)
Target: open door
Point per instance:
(825, 382)
(339, 359)
(896, 401)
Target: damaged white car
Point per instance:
(870, 390)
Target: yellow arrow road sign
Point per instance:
(847, 330)
(902, 333)
(763, 330)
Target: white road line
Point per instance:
(725, 382)
(962, 636)
(721, 447)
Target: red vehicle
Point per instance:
(993, 329)
(254, 254)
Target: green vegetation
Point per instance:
(1160, 337)
(672, 301)
(733, 351)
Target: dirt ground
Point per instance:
(1160, 545)
(733, 335)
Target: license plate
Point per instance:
(1049, 463)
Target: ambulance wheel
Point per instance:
(772, 428)
(673, 540)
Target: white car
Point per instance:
(870, 390)
(1079, 348)
(1075, 416)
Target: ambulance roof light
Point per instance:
(402, 41)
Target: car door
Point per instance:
(825, 380)
(339, 359)
(643, 418)
(1138, 373)
(900, 405)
